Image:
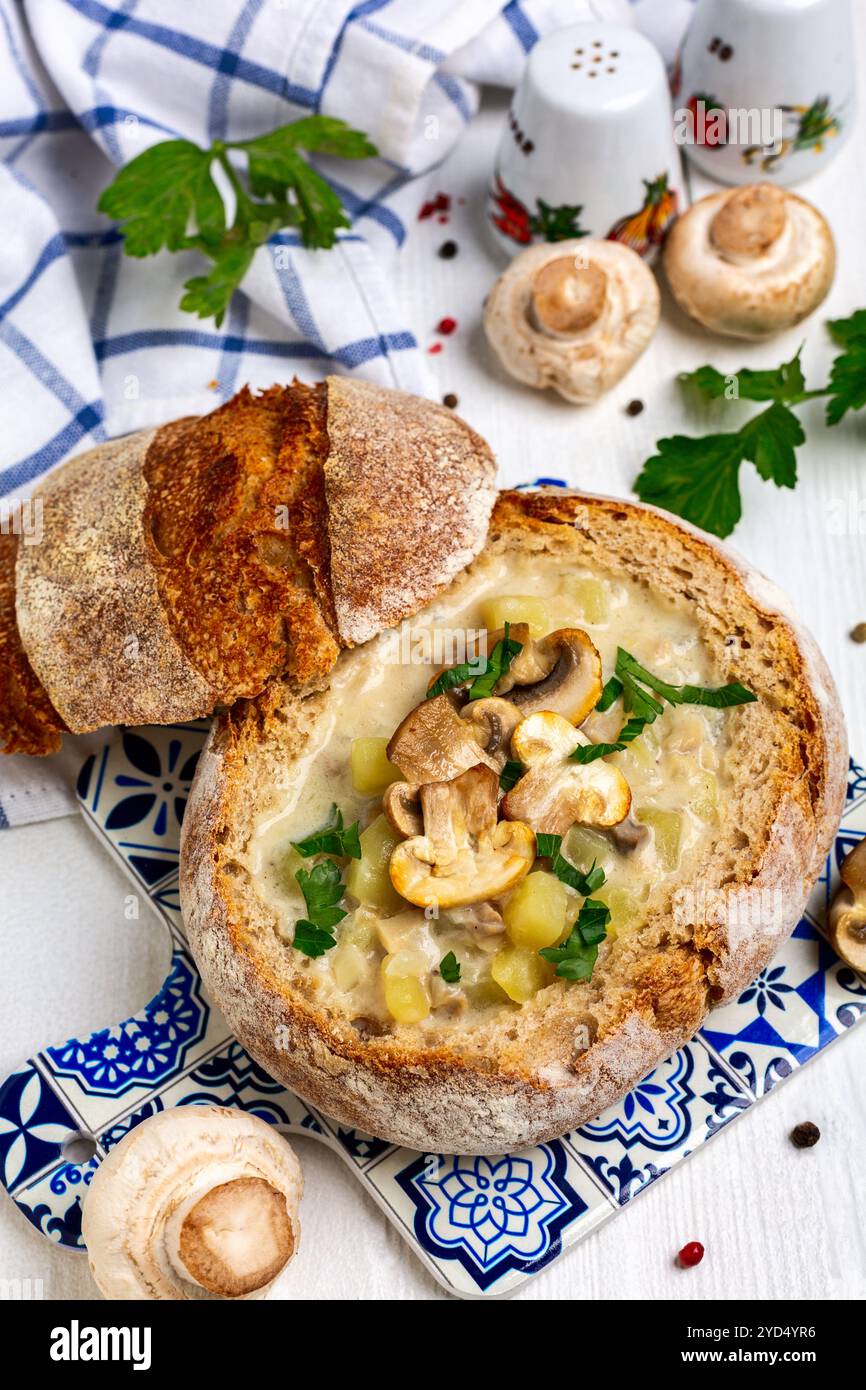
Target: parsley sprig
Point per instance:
(322, 888)
(483, 680)
(334, 838)
(550, 847)
(634, 682)
(698, 478)
(575, 959)
(167, 198)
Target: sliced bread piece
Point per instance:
(185, 567)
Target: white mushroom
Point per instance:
(433, 744)
(847, 922)
(493, 721)
(560, 673)
(196, 1202)
(574, 315)
(464, 855)
(751, 262)
(554, 794)
(401, 806)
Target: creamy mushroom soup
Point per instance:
(428, 961)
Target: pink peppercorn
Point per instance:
(691, 1254)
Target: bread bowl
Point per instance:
(708, 860)
(184, 567)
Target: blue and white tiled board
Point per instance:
(480, 1225)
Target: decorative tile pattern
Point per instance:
(686, 1100)
(480, 1225)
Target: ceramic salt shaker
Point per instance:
(765, 89)
(588, 149)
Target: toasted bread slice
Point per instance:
(183, 568)
(516, 1074)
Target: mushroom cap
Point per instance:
(195, 1202)
(554, 794)
(847, 920)
(465, 855)
(574, 315)
(750, 262)
(493, 720)
(571, 685)
(433, 744)
(401, 807)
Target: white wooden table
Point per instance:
(777, 1223)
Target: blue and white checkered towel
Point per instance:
(93, 343)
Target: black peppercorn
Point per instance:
(448, 250)
(634, 407)
(451, 401)
(805, 1135)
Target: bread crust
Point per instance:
(444, 1099)
(410, 488)
(183, 568)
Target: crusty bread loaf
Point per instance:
(522, 1078)
(28, 720)
(185, 567)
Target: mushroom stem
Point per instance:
(567, 296)
(231, 1239)
(750, 222)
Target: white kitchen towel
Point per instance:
(93, 343)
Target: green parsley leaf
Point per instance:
(498, 662)
(510, 775)
(167, 198)
(847, 388)
(310, 939)
(719, 697)
(322, 888)
(333, 839)
(699, 478)
(209, 295)
(575, 959)
(449, 968)
(546, 846)
(483, 677)
(588, 752)
(695, 478)
(611, 692)
(583, 883)
(785, 383)
(158, 193)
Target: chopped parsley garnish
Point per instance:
(483, 681)
(643, 708)
(333, 839)
(575, 959)
(612, 690)
(322, 888)
(312, 940)
(510, 775)
(588, 752)
(449, 968)
(550, 847)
